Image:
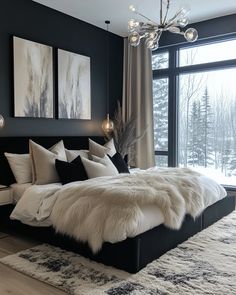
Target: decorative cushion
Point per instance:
(111, 146)
(119, 162)
(69, 172)
(21, 167)
(6, 176)
(43, 162)
(97, 149)
(99, 167)
(73, 154)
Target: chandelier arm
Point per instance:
(142, 36)
(159, 35)
(179, 33)
(170, 24)
(175, 16)
(147, 18)
(151, 27)
(167, 10)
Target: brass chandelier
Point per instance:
(152, 31)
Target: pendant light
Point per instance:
(107, 124)
(2, 121)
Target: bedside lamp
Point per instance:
(2, 121)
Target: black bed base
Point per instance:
(132, 254)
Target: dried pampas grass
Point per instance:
(124, 134)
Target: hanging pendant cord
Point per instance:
(108, 63)
(161, 12)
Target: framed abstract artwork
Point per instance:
(74, 86)
(33, 79)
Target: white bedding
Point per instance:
(17, 191)
(37, 203)
(33, 209)
(35, 206)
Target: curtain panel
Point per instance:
(138, 101)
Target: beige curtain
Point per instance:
(138, 100)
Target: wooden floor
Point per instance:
(16, 283)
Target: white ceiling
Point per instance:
(117, 11)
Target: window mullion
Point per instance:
(172, 111)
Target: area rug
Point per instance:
(205, 264)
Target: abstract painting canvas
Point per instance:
(74, 88)
(33, 79)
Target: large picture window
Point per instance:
(202, 82)
(160, 109)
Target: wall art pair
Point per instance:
(34, 82)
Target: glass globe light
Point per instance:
(132, 8)
(2, 121)
(153, 35)
(108, 125)
(183, 12)
(155, 46)
(134, 39)
(132, 25)
(149, 43)
(175, 30)
(182, 22)
(191, 35)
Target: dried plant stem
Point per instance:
(124, 133)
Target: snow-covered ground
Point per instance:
(217, 175)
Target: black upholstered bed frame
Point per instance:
(132, 254)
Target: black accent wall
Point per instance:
(33, 21)
(216, 27)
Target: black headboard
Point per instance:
(20, 145)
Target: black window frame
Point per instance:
(173, 72)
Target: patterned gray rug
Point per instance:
(205, 264)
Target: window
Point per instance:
(220, 51)
(199, 86)
(160, 61)
(161, 161)
(160, 110)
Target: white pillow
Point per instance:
(99, 167)
(43, 162)
(111, 146)
(102, 150)
(73, 154)
(21, 167)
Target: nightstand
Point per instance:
(5, 196)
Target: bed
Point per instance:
(133, 253)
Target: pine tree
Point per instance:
(160, 112)
(200, 126)
(193, 135)
(232, 160)
(232, 167)
(227, 156)
(233, 138)
(207, 130)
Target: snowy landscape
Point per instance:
(206, 116)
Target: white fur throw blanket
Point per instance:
(99, 208)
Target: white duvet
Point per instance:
(111, 208)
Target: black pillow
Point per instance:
(119, 162)
(73, 171)
(6, 176)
